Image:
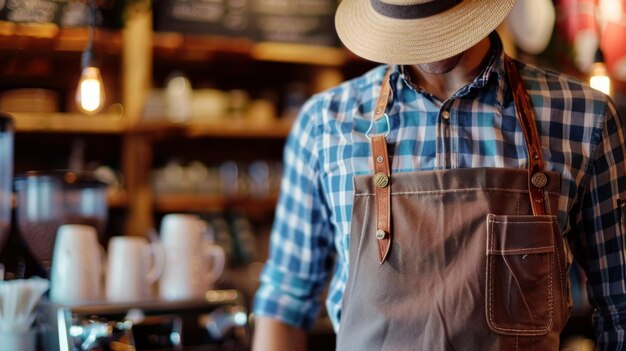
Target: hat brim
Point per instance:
(382, 39)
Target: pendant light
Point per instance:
(606, 11)
(90, 91)
(599, 76)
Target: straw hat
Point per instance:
(416, 31)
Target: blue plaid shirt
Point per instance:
(581, 136)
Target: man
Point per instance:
(438, 191)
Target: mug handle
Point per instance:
(215, 252)
(157, 253)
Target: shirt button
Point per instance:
(445, 115)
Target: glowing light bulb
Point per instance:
(90, 92)
(600, 79)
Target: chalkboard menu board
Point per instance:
(64, 13)
(294, 21)
(218, 17)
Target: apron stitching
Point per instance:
(564, 289)
(490, 269)
(549, 220)
(358, 249)
(465, 190)
(550, 293)
(542, 249)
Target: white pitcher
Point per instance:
(193, 261)
(134, 265)
(77, 265)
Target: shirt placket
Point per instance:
(446, 130)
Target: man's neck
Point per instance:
(444, 78)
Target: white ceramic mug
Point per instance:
(193, 262)
(77, 265)
(133, 265)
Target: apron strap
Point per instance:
(382, 176)
(382, 194)
(383, 98)
(526, 116)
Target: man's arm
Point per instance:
(602, 234)
(301, 253)
(273, 335)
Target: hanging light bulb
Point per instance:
(599, 76)
(90, 92)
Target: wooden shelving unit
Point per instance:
(133, 53)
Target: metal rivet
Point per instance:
(380, 234)
(379, 111)
(539, 180)
(379, 159)
(445, 115)
(381, 180)
(536, 156)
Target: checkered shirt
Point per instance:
(581, 136)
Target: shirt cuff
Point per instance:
(283, 297)
(610, 328)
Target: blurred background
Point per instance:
(183, 106)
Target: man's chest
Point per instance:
(424, 140)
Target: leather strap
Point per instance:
(383, 98)
(526, 116)
(382, 174)
(382, 194)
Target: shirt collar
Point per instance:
(493, 70)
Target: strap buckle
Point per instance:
(369, 133)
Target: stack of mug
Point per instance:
(185, 262)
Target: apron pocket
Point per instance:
(521, 274)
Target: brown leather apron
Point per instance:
(457, 259)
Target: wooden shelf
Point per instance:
(198, 202)
(110, 123)
(299, 53)
(225, 129)
(49, 37)
(117, 198)
(69, 123)
(187, 47)
(240, 129)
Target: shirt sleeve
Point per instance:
(602, 233)
(301, 246)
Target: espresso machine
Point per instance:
(219, 321)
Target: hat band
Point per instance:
(413, 11)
